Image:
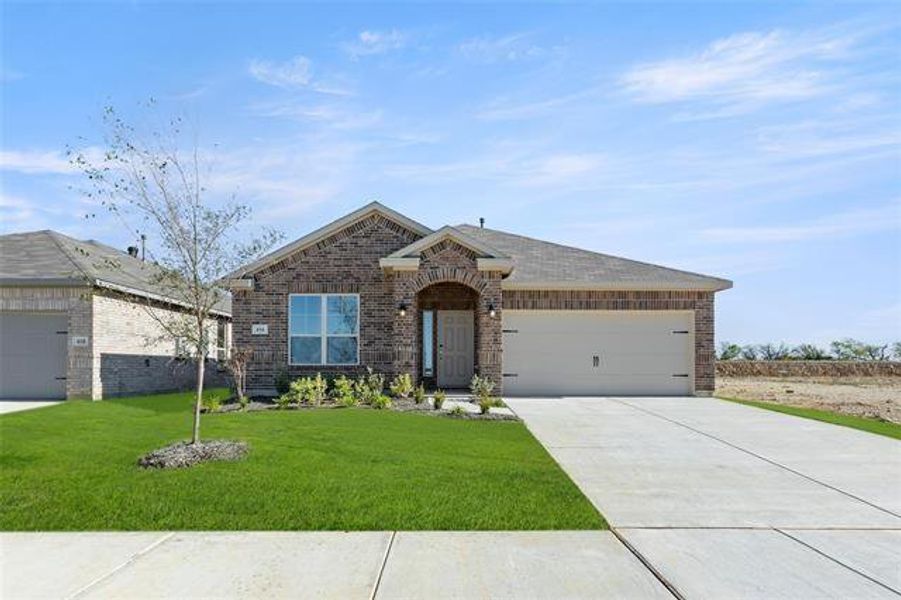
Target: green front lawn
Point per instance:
(73, 467)
(886, 428)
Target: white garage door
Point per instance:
(596, 353)
(32, 355)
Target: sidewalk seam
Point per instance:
(378, 580)
(80, 592)
(761, 457)
(837, 561)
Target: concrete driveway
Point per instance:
(725, 500)
(11, 406)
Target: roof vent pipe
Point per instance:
(132, 251)
(482, 222)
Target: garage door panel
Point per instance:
(33, 355)
(638, 353)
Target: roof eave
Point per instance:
(648, 286)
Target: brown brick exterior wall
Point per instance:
(346, 262)
(699, 302)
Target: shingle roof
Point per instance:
(543, 264)
(52, 258)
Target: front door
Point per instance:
(455, 348)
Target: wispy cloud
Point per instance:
(294, 74)
(32, 162)
(334, 115)
(844, 224)
(745, 70)
(507, 48)
(370, 42)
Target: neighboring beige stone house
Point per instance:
(76, 322)
(377, 289)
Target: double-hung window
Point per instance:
(323, 329)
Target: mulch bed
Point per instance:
(185, 454)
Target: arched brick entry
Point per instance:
(451, 264)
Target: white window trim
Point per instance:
(323, 327)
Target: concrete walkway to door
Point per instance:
(725, 500)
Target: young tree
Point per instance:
(896, 351)
(146, 176)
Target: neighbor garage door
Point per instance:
(594, 353)
(32, 355)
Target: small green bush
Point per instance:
(481, 388)
(211, 403)
(343, 392)
(309, 390)
(243, 401)
(402, 386)
(381, 401)
(438, 399)
(369, 386)
(285, 400)
(457, 411)
(419, 394)
(485, 404)
(282, 382)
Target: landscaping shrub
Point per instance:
(402, 386)
(243, 401)
(481, 387)
(369, 386)
(286, 400)
(381, 401)
(282, 382)
(485, 404)
(438, 399)
(457, 411)
(211, 403)
(343, 391)
(419, 394)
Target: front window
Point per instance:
(324, 329)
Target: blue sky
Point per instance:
(758, 142)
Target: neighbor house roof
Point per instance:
(54, 259)
(545, 265)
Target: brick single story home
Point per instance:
(377, 289)
(75, 322)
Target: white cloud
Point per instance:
(744, 70)
(293, 73)
(845, 224)
(334, 115)
(506, 48)
(14, 209)
(369, 42)
(33, 162)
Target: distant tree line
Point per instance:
(845, 349)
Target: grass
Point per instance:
(876, 426)
(73, 467)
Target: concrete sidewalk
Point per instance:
(11, 406)
(548, 564)
(724, 500)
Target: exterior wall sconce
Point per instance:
(402, 309)
(491, 312)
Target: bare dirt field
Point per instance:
(874, 397)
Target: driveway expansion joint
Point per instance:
(672, 589)
(837, 561)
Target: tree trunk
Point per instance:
(201, 360)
